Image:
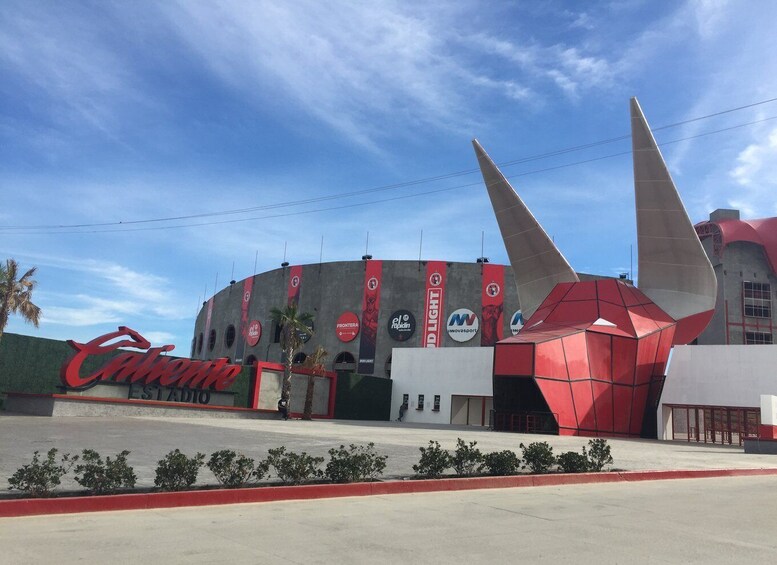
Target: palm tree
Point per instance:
(16, 295)
(294, 325)
(314, 362)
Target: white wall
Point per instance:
(446, 371)
(717, 375)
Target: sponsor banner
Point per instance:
(206, 335)
(492, 302)
(401, 325)
(347, 327)
(295, 283)
(254, 333)
(248, 285)
(462, 325)
(516, 322)
(373, 271)
(433, 304)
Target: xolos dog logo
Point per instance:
(148, 367)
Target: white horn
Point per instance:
(674, 271)
(537, 264)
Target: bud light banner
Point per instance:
(295, 282)
(492, 314)
(206, 335)
(370, 306)
(435, 291)
(248, 286)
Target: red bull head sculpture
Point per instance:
(590, 358)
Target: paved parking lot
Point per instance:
(149, 439)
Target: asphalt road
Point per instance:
(706, 521)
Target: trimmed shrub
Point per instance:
(467, 459)
(434, 461)
(177, 471)
(234, 470)
(538, 456)
(357, 463)
(501, 463)
(39, 478)
(104, 477)
(294, 468)
(598, 454)
(573, 462)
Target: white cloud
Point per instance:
(755, 163)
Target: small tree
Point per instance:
(538, 456)
(39, 478)
(434, 461)
(598, 454)
(294, 325)
(357, 463)
(104, 477)
(16, 295)
(314, 362)
(467, 459)
(234, 470)
(573, 462)
(294, 468)
(501, 463)
(177, 471)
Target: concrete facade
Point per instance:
(330, 289)
(735, 263)
(460, 377)
(716, 375)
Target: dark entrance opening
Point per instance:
(520, 407)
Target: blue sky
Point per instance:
(129, 111)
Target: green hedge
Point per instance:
(361, 397)
(31, 364)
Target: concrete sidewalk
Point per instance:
(149, 439)
(685, 521)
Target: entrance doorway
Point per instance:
(714, 424)
(470, 410)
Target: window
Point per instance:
(299, 358)
(199, 343)
(344, 362)
(212, 340)
(406, 399)
(420, 402)
(758, 338)
(757, 299)
(194, 346)
(229, 336)
(250, 360)
(388, 366)
(276, 333)
(436, 407)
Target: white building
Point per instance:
(712, 392)
(443, 385)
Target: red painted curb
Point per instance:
(145, 501)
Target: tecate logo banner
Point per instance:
(401, 325)
(463, 324)
(516, 322)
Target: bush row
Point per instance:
(177, 471)
(467, 460)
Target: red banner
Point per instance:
(248, 285)
(492, 300)
(373, 272)
(206, 335)
(433, 307)
(295, 283)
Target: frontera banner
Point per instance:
(492, 300)
(295, 283)
(248, 286)
(435, 293)
(148, 368)
(373, 273)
